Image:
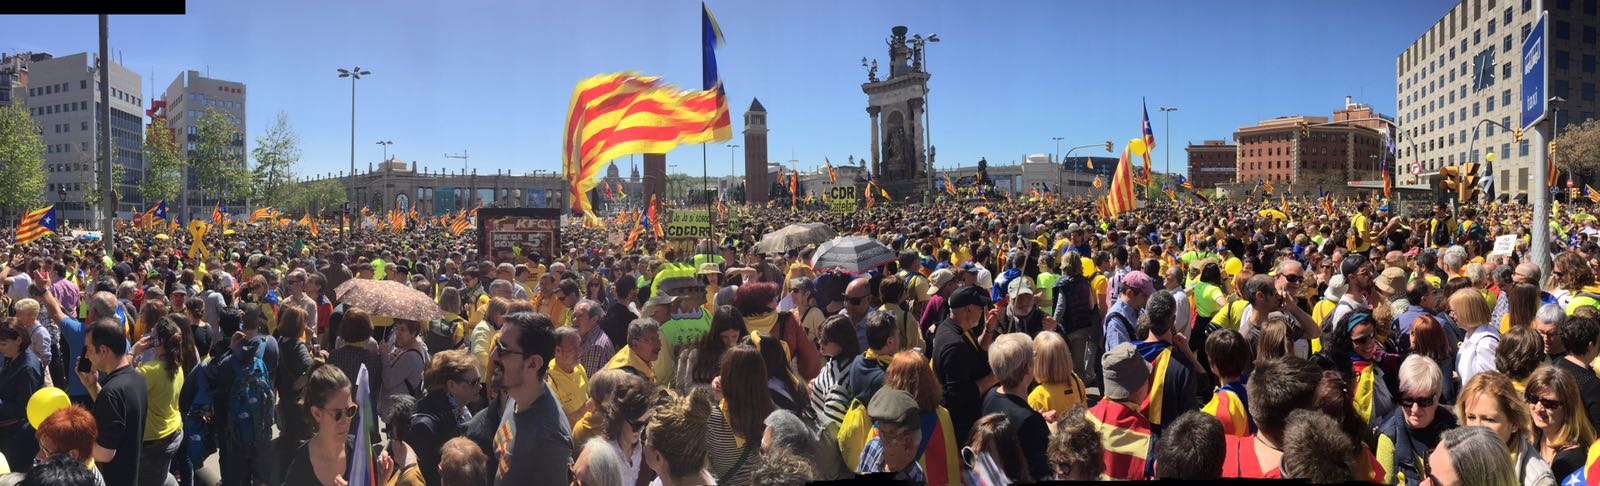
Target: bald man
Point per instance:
(857, 308)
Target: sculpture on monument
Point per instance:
(895, 108)
(872, 69)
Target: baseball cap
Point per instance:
(969, 267)
(1018, 287)
(938, 279)
(969, 295)
(1138, 280)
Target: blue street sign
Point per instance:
(1535, 74)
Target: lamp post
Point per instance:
(61, 195)
(1167, 136)
(927, 120)
(385, 144)
(1058, 148)
(1061, 177)
(353, 74)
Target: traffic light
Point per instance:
(1108, 146)
(1305, 130)
(1551, 150)
(1451, 180)
(1516, 134)
(1468, 187)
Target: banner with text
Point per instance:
(504, 233)
(689, 224)
(842, 199)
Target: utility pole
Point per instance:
(1167, 134)
(1058, 149)
(108, 200)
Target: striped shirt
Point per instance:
(595, 350)
(723, 451)
(832, 372)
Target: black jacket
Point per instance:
(615, 322)
(436, 421)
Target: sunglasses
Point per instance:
(1547, 404)
(1408, 402)
(854, 300)
(1294, 279)
(1361, 341)
(348, 412)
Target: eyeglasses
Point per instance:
(854, 300)
(1294, 279)
(501, 349)
(1547, 404)
(1361, 341)
(1408, 402)
(475, 382)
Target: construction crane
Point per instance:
(463, 157)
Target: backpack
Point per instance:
(197, 419)
(441, 334)
(250, 400)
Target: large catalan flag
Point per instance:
(36, 223)
(266, 212)
(218, 215)
(618, 114)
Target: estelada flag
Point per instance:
(36, 223)
(832, 177)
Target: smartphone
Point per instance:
(84, 366)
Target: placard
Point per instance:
(689, 224)
(1504, 245)
(842, 199)
(532, 230)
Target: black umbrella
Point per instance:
(853, 254)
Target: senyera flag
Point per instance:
(612, 115)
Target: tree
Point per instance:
(217, 160)
(314, 197)
(276, 154)
(1578, 147)
(163, 168)
(22, 173)
(93, 198)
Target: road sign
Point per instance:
(1416, 169)
(1535, 73)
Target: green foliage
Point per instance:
(216, 161)
(22, 174)
(163, 164)
(275, 155)
(317, 196)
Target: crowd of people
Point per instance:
(1024, 341)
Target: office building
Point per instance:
(62, 95)
(1212, 162)
(187, 100)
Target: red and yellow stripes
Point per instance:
(618, 114)
(1230, 410)
(1120, 199)
(36, 223)
(1126, 437)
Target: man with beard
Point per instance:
(1363, 293)
(1021, 314)
(532, 425)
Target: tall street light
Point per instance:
(927, 123)
(353, 74)
(385, 144)
(1058, 148)
(1167, 112)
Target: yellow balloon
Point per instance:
(1136, 147)
(1088, 267)
(1233, 266)
(45, 402)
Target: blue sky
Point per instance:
(495, 77)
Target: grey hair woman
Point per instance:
(597, 463)
(1470, 456)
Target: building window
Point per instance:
(1563, 29)
(1505, 44)
(1560, 59)
(1588, 92)
(1474, 109)
(1561, 88)
(1505, 71)
(1491, 26)
(1490, 104)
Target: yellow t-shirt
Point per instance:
(571, 389)
(1360, 224)
(1058, 397)
(162, 418)
(1101, 285)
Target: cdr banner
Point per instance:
(689, 224)
(842, 199)
(504, 233)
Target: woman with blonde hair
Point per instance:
(1471, 314)
(1561, 428)
(1489, 400)
(1059, 388)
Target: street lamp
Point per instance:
(1058, 148)
(1167, 112)
(353, 74)
(385, 144)
(1061, 177)
(927, 120)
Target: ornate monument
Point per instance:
(755, 153)
(895, 106)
